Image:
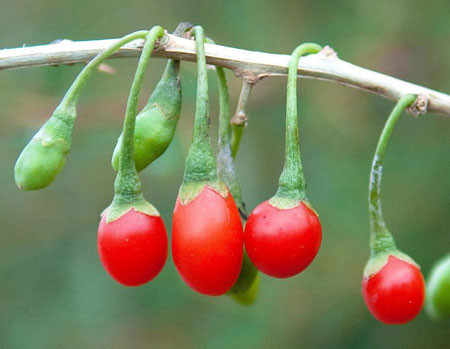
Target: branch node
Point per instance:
(160, 44)
(239, 119)
(247, 75)
(420, 106)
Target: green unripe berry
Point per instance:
(156, 123)
(246, 286)
(44, 156)
(438, 290)
(248, 297)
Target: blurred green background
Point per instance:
(54, 291)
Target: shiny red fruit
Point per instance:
(207, 242)
(133, 248)
(282, 243)
(396, 293)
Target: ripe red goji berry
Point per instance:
(133, 248)
(283, 235)
(396, 293)
(207, 241)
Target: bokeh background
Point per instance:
(53, 291)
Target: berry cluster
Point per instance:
(213, 251)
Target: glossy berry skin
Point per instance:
(282, 242)
(396, 293)
(207, 242)
(133, 248)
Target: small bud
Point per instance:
(156, 123)
(44, 156)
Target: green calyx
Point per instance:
(191, 189)
(379, 260)
(44, 156)
(291, 185)
(200, 169)
(286, 203)
(127, 186)
(381, 240)
(123, 203)
(437, 303)
(156, 123)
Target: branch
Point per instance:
(251, 65)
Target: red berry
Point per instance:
(396, 293)
(133, 248)
(282, 242)
(207, 242)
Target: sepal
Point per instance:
(190, 190)
(119, 207)
(379, 260)
(287, 203)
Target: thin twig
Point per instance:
(240, 117)
(252, 65)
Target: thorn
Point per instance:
(60, 41)
(328, 52)
(106, 68)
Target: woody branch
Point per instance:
(251, 65)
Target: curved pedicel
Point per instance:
(393, 286)
(45, 155)
(132, 239)
(283, 235)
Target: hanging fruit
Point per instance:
(207, 242)
(132, 238)
(393, 286)
(283, 235)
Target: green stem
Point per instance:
(200, 161)
(224, 108)
(202, 117)
(238, 125)
(70, 98)
(225, 161)
(381, 239)
(292, 181)
(224, 111)
(127, 180)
